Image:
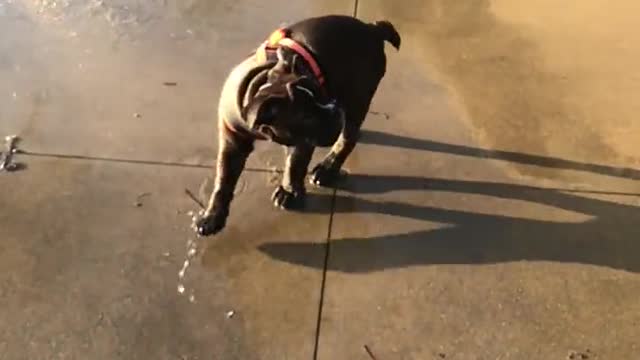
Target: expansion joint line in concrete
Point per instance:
(324, 275)
(263, 170)
(130, 161)
(327, 251)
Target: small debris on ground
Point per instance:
(194, 198)
(386, 115)
(230, 314)
(180, 288)
(138, 202)
(442, 355)
(369, 352)
(137, 115)
(205, 188)
(6, 157)
(169, 83)
(577, 355)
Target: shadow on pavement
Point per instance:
(610, 238)
(384, 139)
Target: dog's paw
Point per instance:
(324, 175)
(288, 200)
(211, 224)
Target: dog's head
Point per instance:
(289, 110)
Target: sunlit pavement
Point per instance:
(490, 212)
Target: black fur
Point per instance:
(293, 110)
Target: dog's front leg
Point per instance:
(233, 152)
(291, 193)
(327, 172)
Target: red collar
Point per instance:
(280, 38)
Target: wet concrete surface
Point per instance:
(90, 268)
(498, 220)
(87, 77)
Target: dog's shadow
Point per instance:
(609, 238)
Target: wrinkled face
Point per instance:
(287, 112)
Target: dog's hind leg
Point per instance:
(291, 193)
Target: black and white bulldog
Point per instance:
(309, 85)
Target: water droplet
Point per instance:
(184, 269)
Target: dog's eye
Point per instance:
(272, 110)
(269, 112)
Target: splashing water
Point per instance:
(192, 252)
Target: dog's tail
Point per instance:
(387, 32)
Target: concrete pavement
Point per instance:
(497, 220)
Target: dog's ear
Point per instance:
(287, 59)
(295, 63)
(258, 82)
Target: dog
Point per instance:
(309, 85)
